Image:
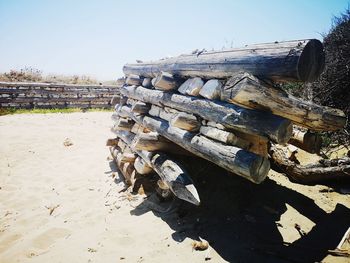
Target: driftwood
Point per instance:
(169, 170)
(312, 173)
(246, 90)
(232, 116)
(233, 159)
(307, 141)
(280, 61)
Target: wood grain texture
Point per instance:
(300, 60)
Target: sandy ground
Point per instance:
(62, 204)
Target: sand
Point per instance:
(61, 204)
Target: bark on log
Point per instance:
(169, 170)
(248, 91)
(301, 60)
(233, 159)
(232, 116)
(165, 81)
(308, 141)
(309, 174)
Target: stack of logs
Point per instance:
(224, 107)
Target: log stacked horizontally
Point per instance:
(221, 106)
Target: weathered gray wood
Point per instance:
(248, 91)
(312, 173)
(211, 89)
(306, 140)
(133, 80)
(169, 170)
(233, 159)
(223, 136)
(115, 100)
(140, 107)
(165, 81)
(191, 87)
(152, 142)
(280, 61)
(142, 167)
(123, 124)
(185, 121)
(229, 115)
(147, 82)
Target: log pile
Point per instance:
(46, 95)
(221, 106)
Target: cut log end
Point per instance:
(311, 61)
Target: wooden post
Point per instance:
(301, 60)
(248, 91)
(233, 159)
(229, 115)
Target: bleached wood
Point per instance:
(133, 80)
(248, 165)
(191, 87)
(185, 121)
(142, 167)
(229, 115)
(280, 61)
(147, 82)
(165, 81)
(211, 89)
(248, 91)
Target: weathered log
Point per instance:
(224, 136)
(147, 82)
(211, 89)
(248, 91)
(165, 81)
(127, 170)
(133, 80)
(123, 124)
(112, 142)
(169, 170)
(140, 107)
(308, 141)
(233, 159)
(232, 116)
(137, 128)
(152, 142)
(311, 173)
(301, 60)
(142, 167)
(191, 86)
(185, 121)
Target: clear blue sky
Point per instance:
(97, 38)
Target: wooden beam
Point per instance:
(185, 121)
(229, 115)
(248, 91)
(301, 60)
(233, 159)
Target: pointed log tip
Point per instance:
(186, 192)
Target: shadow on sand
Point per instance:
(239, 219)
